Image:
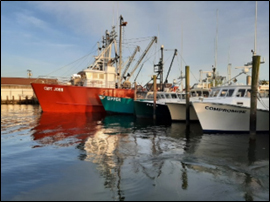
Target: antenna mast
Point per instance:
(255, 36)
(181, 74)
(215, 66)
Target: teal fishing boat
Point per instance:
(117, 104)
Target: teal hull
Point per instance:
(144, 109)
(117, 104)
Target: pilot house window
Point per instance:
(95, 75)
(241, 93)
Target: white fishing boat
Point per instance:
(178, 108)
(227, 109)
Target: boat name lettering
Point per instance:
(117, 99)
(59, 89)
(151, 105)
(55, 89)
(47, 88)
(225, 110)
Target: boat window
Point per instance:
(95, 75)
(223, 92)
(180, 96)
(162, 96)
(199, 93)
(205, 93)
(158, 96)
(230, 92)
(183, 96)
(174, 96)
(214, 93)
(264, 93)
(193, 94)
(248, 93)
(168, 96)
(101, 76)
(89, 75)
(241, 93)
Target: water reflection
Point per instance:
(18, 118)
(134, 155)
(64, 129)
(141, 146)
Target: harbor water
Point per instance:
(94, 157)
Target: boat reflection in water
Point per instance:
(65, 129)
(138, 159)
(132, 154)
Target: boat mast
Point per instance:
(181, 74)
(122, 23)
(255, 36)
(215, 66)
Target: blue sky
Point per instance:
(47, 37)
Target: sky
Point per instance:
(60, 38)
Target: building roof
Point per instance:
(23, 81)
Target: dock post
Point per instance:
(135, 91)
(13, 101)
(187, 99)
(7, 100)
(253, 100)
(155, 96)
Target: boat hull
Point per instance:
(65, 98)
(217, 117)
(117, 104)
(178, 112)
(144, 109)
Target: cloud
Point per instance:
(28, 20)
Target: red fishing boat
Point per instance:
(81, 93)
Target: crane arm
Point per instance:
(175, 53)
(130, 61)
(154, 39)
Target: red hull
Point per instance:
(64, 98)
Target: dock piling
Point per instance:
(135, 91)
(187, 99)
(254, 92)
(155, 96)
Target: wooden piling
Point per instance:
(187, 99)
(254, 90)
(135, 91)
(155, 96)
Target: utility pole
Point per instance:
(29, 73)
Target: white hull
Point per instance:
(178, 111)
(217, 117)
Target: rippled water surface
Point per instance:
(47, 156)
